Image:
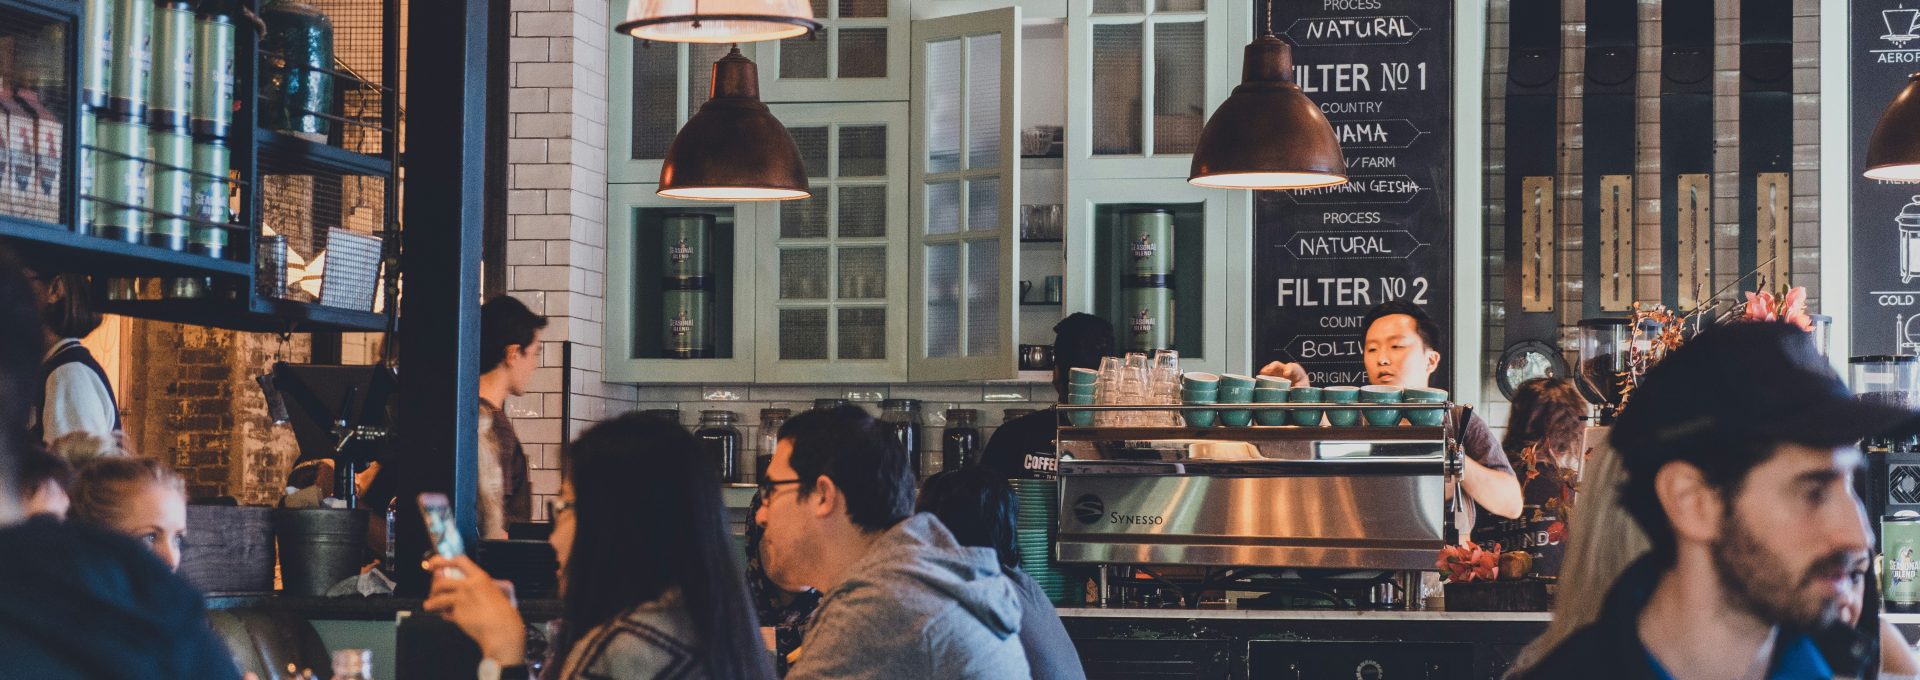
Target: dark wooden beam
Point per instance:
(445, 156)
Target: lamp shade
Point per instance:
(1893, 154)
(717, 21)
(1267, 134)
(733, 149)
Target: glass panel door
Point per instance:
(652, 88)
(856, 56)
(1142, 78)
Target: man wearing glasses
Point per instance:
(902, 598)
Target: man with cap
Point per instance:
(1024, 446)
(1740, 449)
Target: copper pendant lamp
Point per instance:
(717, 21)
(1893, 153)
(1268, 134)
(733, 149)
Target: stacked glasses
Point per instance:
(1137, 378)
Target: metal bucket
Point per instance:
(319, 547)
(229, 550)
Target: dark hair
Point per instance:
(976, 506)
(72, 315)
(21, 346)
(865, 461)
(38, 466)
(102, 485)
(1422, 324)
(648, 520)
(1546, 411)
(1725, 471)
(1079, 341)
(505, 321)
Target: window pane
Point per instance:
(943, 106)
(862, 8)
(655, 118)
(863, 333)
(863, 273)
(863, 212)
(804, 218)
(1179, 5)
(863, 151)
(943, 300)
(943, 208)
(983, 204)
(863, 52)
(983, 298)
(803, 334)
(1117, 7)
(1179, 85)
(1116, 80)
(700, 58)
(804, 57)
(813, 149)
(803, 274)
(819, 8)
(983, 101)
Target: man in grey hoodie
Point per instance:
(901, 599)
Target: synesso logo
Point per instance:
(1088, 509)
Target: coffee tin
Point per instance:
(685, 249)
(122, 182)
(96, 52)
(211, 159)
(170, 99)
(1146, 318)
(1900, 547)
(684, 318)
(213, 76)
(1149, 241)
(132, 58)
(172, 190)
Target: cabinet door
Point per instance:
(859, 55)
(835, 310)
(1142, 76)
(966, 184)
(1206, 224)
(640, 315)
(653, 88)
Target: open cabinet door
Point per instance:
(966, 185)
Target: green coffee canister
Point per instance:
(685, 258)
(1147, 318)
(170, 99)
(122, 181)
(1149, 241)
(172, 190)
(83, 221)
(296, 79)
(213, 71)
(96, 52)
(211, 160)
(1900, 547)
(684, 319)
(132, 28)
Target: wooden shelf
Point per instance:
(56, 244)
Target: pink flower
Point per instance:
(1793, 309)
(1759, 307)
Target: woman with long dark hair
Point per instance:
(647, 573)
(1545, 423)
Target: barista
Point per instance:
(1402, 349)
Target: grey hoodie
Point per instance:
(918, 606)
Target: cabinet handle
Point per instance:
(1537, 253)
(1616, 242)
(1774, 220)
(1694, 208)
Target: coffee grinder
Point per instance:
(1891, 486)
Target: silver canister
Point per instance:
(270, 267)
(211, 161)
(122, 181)
(132, 58)
(172, 190)
(96, 52)
(170, 95)
(213, 75)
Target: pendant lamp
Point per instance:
(733, 149)
(717, 21)
(1268, 134)
(1893, 154)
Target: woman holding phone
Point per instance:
(633, 489)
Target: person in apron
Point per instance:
(75, 394)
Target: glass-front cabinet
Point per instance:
(836, 310)
(680, 287)
(860, 54)
(654, 88)
(1142, 77)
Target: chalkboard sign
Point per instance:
(1883, 47)
(1382, 72)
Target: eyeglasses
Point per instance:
(768, 486)
(557, 506)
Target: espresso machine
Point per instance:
(1891, 486)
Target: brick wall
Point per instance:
(1726, 79)
(196, 407)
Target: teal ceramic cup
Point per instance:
(1080, 418)
(1425, 417)
(1270, 395)
(1381, 394)
(1198, 418)
(1272, 382)
(1230, 380)
(1344, 394)
(1200, 381)
(1306, 417)
(1235, 394)
(1082, 376)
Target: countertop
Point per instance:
(1309, 614)
(376, 608)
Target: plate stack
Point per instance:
(1037, 504)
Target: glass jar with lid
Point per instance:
(961, 445)
(771, 420)
(902, 418)
(720, 443)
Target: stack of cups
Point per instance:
(686, 290)
(1270, 390)
(1200, 388)
(1146, 291)
(1038, 507)
(1381, 394)
(1424, 417)
(1236, 389)
(1304, 417)
(1081, 385)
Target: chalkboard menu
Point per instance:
(1883, 46)
(1382, 71)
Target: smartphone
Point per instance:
(437, 512)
